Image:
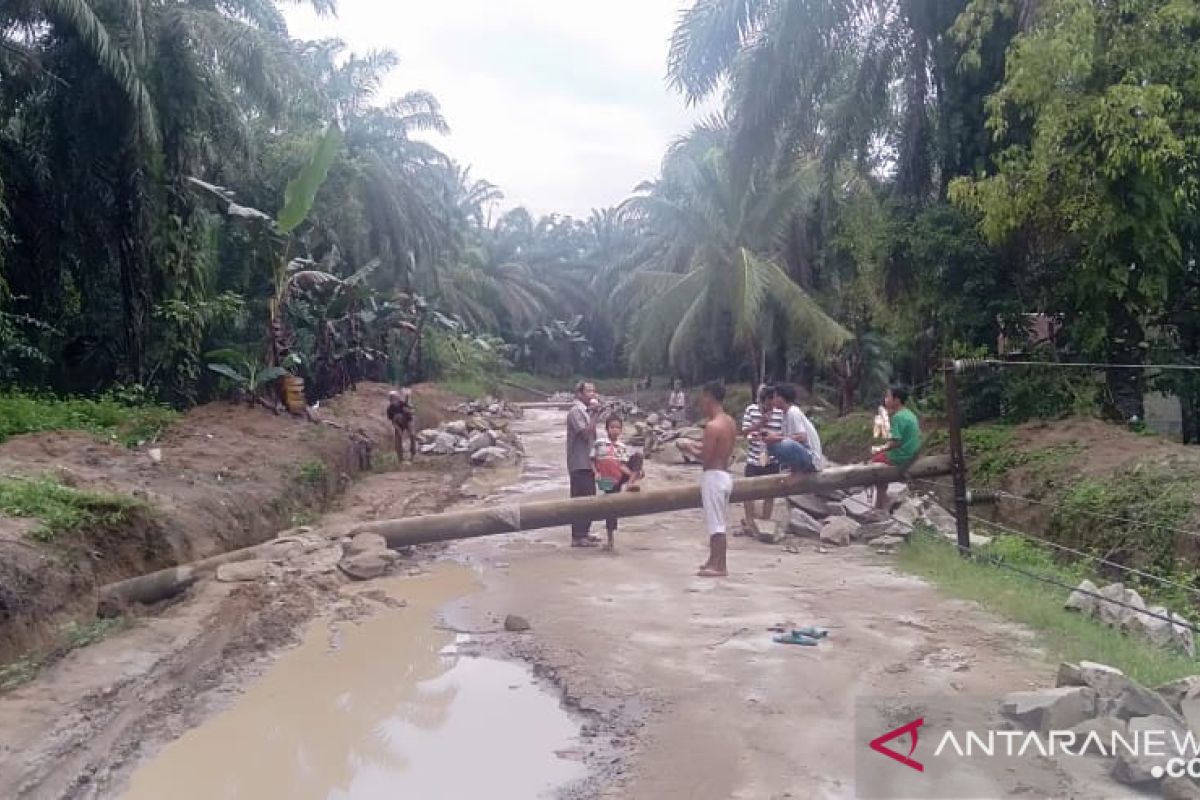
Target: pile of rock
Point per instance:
(1097, 699)
(1124, 609)
(486, 440)
(491, 407)
(307, 553)
(840, 519)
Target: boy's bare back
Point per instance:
(720, 434)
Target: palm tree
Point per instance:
(707, 269)
(852, 77)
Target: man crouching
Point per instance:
(716, 483)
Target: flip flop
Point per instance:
(589, 542)
(796, 638)
(811, 633)
(708, 572)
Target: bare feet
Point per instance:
(710, 572)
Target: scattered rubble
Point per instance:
(1097, 699)
(484, 435)
(1123, 608)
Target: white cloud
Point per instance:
(562, 103)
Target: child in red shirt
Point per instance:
(615, 468)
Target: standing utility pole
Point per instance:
(958, 463)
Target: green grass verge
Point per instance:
(1064, 635)
(105, 417)
(61, 509)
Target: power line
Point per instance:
(1090, 556)
(969, 363)
(1003, 495)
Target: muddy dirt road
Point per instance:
(636, 680)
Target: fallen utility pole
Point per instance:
(511, 517)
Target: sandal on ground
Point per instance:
(588, 541)
(709, 572)
(795, 637)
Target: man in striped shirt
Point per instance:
(759, 420)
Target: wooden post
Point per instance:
(958, 462)
(512, 517)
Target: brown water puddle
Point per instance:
(387, 714)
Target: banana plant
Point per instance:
(298, 198)
(248, 376)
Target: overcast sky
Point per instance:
(562, 103)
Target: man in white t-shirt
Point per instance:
(798, 446)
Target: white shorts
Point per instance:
(715, 486)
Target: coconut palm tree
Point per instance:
(707, 270)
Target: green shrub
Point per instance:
(109, 417)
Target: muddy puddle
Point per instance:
(382, 708)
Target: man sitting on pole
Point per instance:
(904, 445)
(797, 447)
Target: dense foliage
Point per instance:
(889, 183)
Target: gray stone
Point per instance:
(897, 493)
(1083, 603)
(427, 450)
(481, 440)
(516, 624)
(771, 532)
(456, 428)
(490, 456)
(875, 530)
(1109, 682)
(428, 436)
(444, 444)
(246, 571)
(1135, 770)
(861, 508)
(907, 513)
(1101, 743)
(366, 543)
(1069, 675)
(1181, 788)
(838, 530)
(1177, 691)
(369, 565)
(810, 504)
(1109, 612)
(1182, 636)
(1138, 701)
(1155, 628)
(653, 420)
(1051, 709)
(1189, 709)
(888, 544)
(1130, 615)
(477, 423)
(940, 520)
(801, 523)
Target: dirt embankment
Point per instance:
(229, 476)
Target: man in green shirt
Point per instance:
(905, 442)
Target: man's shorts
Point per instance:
(759, 471)
(715, 487)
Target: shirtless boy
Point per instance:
(715, 482)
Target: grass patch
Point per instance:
(313, 473)
(106, 417)
(472, 388)
(1063, 634)
(61, 509)
(848, 439)
(71, 636)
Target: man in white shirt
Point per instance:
(798, 446)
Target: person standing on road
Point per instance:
(905, 443)
(581, 438)
(716, 483)
(677, 404)
(797, 447)
(760, 420)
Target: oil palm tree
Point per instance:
(707, 269)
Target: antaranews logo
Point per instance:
(906, 759)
